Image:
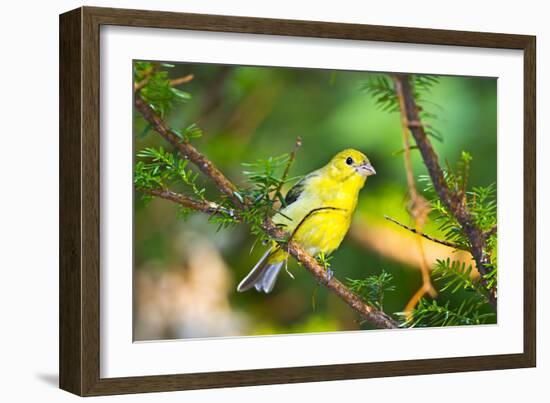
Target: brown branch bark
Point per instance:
(369, 313)
(452, 201)
(205, 206)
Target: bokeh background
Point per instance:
(186, 272)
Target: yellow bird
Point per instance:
(318, 213)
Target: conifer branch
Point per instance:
(453, 201)
(368, 312)
(419, 210)
(188, 151)
(147, 75)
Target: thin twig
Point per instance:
(181, 80)
(205, 206)
(174, 82)
(139, 85)
(289, 163)
(422, 234)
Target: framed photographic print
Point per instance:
(251, 201)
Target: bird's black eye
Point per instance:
(349, 160)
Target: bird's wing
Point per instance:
(295, 191)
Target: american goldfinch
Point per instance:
(317, 214)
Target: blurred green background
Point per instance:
(186, 272)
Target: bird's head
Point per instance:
(350, 163)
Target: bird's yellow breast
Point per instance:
(321, 217)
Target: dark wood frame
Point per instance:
(79, 200)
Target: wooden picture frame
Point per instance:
(80, 198)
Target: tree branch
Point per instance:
(206, 206)
(368, 312)
(451, 200)
(187, 150)
(419, 210)
(371, 314)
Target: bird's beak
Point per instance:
(366, 169)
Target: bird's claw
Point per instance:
(330, 274)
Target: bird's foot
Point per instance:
(330, 274)
(324, 261)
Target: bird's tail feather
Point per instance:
(263, 275)
(269, 277)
